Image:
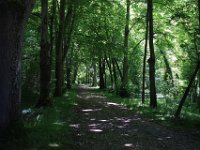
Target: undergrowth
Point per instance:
(164, 114)
(43, 129)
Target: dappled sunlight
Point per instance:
(109, 125)
(115, 105)
(103, 120)
(91, 110)
(96, 130)
(54, 145)
(76, 126)
(125, 134)
(94, 97)
(59, 123)
(94, 125)
(129, 145)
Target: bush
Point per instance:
(124, 91)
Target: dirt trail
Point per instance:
(100, 124)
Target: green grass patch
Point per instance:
(44, 129)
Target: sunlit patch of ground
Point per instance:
(100, 124)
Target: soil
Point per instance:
(100, 124)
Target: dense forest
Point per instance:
(142, 54)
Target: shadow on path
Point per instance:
(100, 124)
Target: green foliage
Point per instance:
(124, 91)
(43, 128)
(164, 114)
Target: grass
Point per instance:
(164, 114)
(45, 129)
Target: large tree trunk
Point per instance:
(59, 52)
(101, 73)
(111, 73)
(114, 74)
(52, 27)
(69, 28)
(13, 16)
(145, 58)
(69, 63)
(168, 72)
(153, 97)
(126, 46)
(68, 73)
(118, 68)
(75, 72)
(177, 114)
(199, 56)
(94, 78)
(45, 59)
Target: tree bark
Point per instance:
(153, 97)
(68, 70)
(178, 112)
(168, 72)
(13, 17)
(101, 73)
(145, 58)
(59, 74)
(52, 27)
(111, 73)
(94, 82)
(75, 72)
(126, 46)
(114, 74)
(69, 28)
(45, 59)
(118, 68)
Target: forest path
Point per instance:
(100, 124)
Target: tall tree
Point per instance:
(102, 83)
(145, 56)
(59, 72)
(13, 17)
(45, 59)
(153, 97)
(178, 111)
(126, 45)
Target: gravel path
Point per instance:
(100, 124)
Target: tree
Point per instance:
(145, 57)
(178, 111)
(59, 72)
(153, 97)
(13, 16)
(45, 59)
(126, 46)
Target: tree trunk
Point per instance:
(118, 68)
(199, 12)
(178, 112)
(45, 59)
(75, 72)
(153, 97)
(59, 74)
(52, 27)
(145, 58)
(126, 46)
(69, 28)
(94, 83)
(68, 70)
(168, 72)
(13, 16)
(111, 73)
(114, 74)
(101, 74)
